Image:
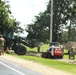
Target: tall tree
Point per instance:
(40, 27)
(62, 13)
(7, 23)
(4, 14)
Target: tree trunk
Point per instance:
(69, 32)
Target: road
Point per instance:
(9, 68)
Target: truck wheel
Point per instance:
(21, 50)
(61, 57)
(44, 54)
(14, 47)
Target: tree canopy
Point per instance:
(7, 23)
(63, 16)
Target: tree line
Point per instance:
(64, 23)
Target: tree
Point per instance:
(72, 22)
(74, 9)
(4, 14)
(12, 27)
(40, 27)
(7, 23)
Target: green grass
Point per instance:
(42, 49)
(64, 66)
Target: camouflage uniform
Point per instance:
(71, 53)
(2, 41)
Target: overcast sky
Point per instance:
(25, 10)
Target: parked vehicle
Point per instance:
(55, 50)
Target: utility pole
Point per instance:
(51, 20)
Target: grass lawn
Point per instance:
(42, 49)
(68, 67)
(53, 63)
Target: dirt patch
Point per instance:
(69, 61)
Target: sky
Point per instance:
(25, 10)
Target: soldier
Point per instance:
(2, 41)
(71, 53)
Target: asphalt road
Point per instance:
(10, 68)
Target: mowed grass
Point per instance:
(64, 66)
(42, 49)
(71, 68)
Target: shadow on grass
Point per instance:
(66, 53)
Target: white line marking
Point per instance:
(12, 68)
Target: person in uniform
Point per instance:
(2, 41)
(71, 53)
